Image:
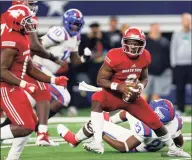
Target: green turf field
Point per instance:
(65, 152)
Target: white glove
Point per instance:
(87, 55)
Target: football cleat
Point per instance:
(178, 153)
(94, 147)
(43, 140)
(67, 135)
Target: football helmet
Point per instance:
(73, 21)
(32, 4)
(133, 42)
(164, 109)
(19, 18)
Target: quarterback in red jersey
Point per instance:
(16, 93)
(123, 76)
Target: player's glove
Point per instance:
(61, 81)
(87, 55)
(29, 87)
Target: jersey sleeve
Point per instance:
(143, 130)
(9, 42)
(54, 36)
(111, 59)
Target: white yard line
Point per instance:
(180, 159)
(84, 119)
(28, 145)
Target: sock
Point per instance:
(97, 121)
(80, 136)
(70, 138)
(6, 122)
(6, 132)
(168, 141)
(42, 128)
(106, 116)
(116, 118)
(51, 113)
(17, 147)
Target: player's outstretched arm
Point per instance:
(77, 60)
(40, 76)
(7, 58)
(126, 146)
(39, 50)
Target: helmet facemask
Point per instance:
(29, 24)
(133, 47)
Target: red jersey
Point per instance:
(19, 42)
(126, 69)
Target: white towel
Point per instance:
(86, 87)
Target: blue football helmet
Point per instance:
(164, 109)
(73, 21)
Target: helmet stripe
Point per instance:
(170, 108)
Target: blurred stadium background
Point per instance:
(97, 20)
(104, 23)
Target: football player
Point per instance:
(43, 95)
(16, 63)
(140, 138)
(64, 43)
(122, 77)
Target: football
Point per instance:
(131, 98)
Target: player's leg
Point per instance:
(19, 111)
(119, 117)
(61, 99)
(17, 147)
(141, 110)
(74, 139)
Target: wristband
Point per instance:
(126, 147)
(53, 80)
(141, 85)
(114, 86)
(82, 59)
(23, 84)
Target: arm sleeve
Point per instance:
(54, 36)
(173, 48)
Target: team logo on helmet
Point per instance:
(16, 13)
(159, 113)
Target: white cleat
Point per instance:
(43, 140)
(94, 147)
(178, 153)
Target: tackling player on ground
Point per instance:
(140, 138)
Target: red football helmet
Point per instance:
(133, 42)
(32, 4)
(19, 18)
